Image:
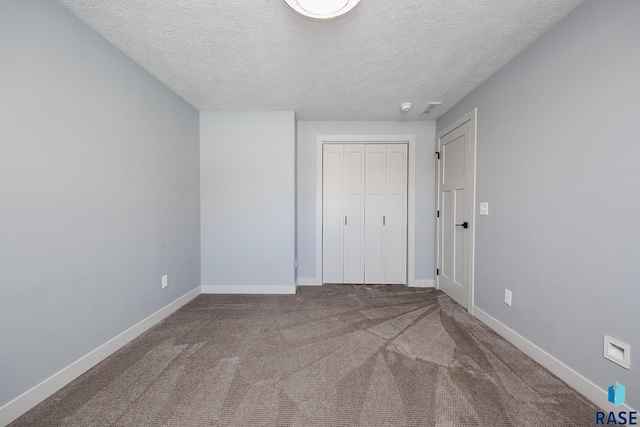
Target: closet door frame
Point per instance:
(410, 140)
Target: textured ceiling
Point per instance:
(257, 55)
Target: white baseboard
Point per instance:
(308, 281)
(417, 283)
(249, 289)
(27, 400)
(422, 283)
(582, 385)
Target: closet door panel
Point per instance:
(332, 214)
(375, 182)
(396, 214)
(354, 212)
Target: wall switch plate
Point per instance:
(484, 208)
(507, 297)
(165, 281)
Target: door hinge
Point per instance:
(438, 214)
(438, 154)
(437, 271)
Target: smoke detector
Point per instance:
(405, 106)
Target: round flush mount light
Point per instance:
(322, 10)
(406, 106)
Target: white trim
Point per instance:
(423, 283)
(29, 399)
(308, 281)
(249, 289)
(562, 371)
(471, 117)
(410, 140)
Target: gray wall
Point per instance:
(557, 161)
(247, 162)
(425, 186)
(99, 193)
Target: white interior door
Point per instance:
(386, 214)
(395, 218)
(354, 211)
(375, 236)
(332, 213)
(456, 193)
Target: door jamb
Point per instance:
(471, 116)
(410, 140)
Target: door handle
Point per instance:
(345, 220)
(384, 220)
(463, 225)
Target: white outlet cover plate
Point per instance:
(507, 297)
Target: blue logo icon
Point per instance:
(616, 394)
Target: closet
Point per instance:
(364, 213)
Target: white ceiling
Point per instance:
(257, 55)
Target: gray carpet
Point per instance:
(337, 355)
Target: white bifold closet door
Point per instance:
(386, 214)
(365, 213)
(343, 213)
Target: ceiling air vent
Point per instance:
(431, 107)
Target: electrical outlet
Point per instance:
(165, 281)
(507, 297)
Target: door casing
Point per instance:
(470, 117)
(410, 140)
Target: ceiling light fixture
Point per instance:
(322, 10)
(406, 106)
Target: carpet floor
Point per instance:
(336, 355)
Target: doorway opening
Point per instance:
(456, 194)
